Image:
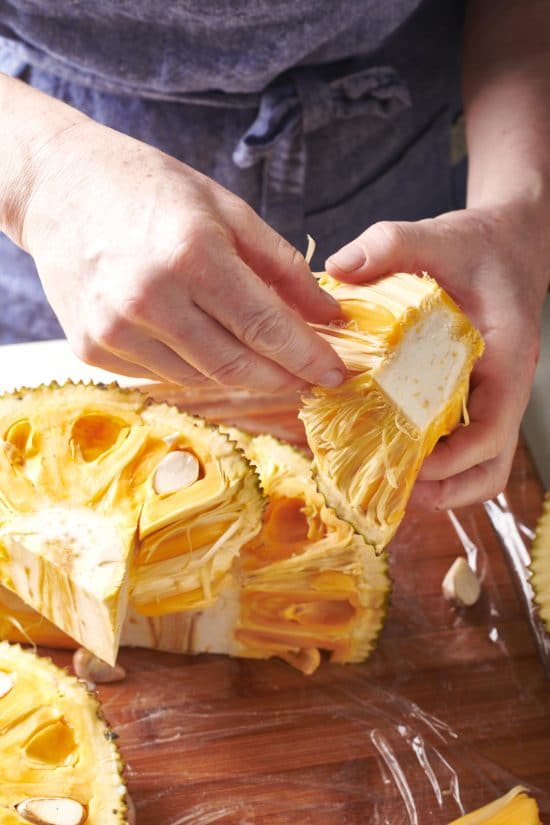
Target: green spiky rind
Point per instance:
(540, 564)
(12, 653)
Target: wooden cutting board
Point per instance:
(451, 710)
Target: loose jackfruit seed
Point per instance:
(177, 470)
(461, 584)
(91, 669)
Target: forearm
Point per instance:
(506, 85)
(30, 123)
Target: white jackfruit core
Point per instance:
(79, 540)
(422, 374)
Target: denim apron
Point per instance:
(325, 116)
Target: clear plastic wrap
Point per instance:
(451, 710)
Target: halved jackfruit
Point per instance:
(306, 583)
(79, 499)
(56, 751)
(540, 564)
(409, 351)
(514, 808)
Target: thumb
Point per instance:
(390, 246)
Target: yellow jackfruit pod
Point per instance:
(409, 351)
(514, 808)
(98, 484)
(189, 538)
(59, 761)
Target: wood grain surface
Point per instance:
(452, 709)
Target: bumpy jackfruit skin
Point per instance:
(540, 564)
(409, 351)
(78, 504)
(514, 808)
(54, 742)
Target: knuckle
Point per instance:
(233, 371)
(307, 363)
(132, 309)
(87, 350)
(110, 333)
(390, 233)
(267, 329)
(187, 375)
(195, 241)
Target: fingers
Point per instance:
(392, 247)
(501, 386)
(195, 347)
(493, 414)
(91, 353)
(476, 484)
(281, 266)
(474, 462)
(226, 289)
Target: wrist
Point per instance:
(31, 131)
(518, 224)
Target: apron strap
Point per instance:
(302, 102)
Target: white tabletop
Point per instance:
(41, 362)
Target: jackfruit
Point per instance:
(409, 351)
(88, 522)
(60, 765)
(305, 584)
(514, 808)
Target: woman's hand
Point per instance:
(494, 263)
(154, 270)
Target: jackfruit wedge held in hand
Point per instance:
(540, 564)
(95, 478)
(59, 763)
(409, 351)
(515, 808)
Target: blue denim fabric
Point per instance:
(325, 117)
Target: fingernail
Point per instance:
(348, 258)
(332, 378)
